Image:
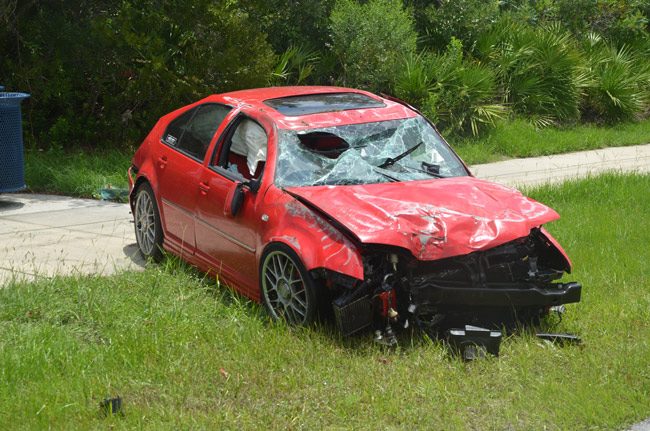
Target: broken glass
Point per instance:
(396, 150)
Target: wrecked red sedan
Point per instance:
(313, 199)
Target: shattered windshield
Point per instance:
(396, 150)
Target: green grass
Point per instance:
(186, 354)
(519, 138)
(79, 173)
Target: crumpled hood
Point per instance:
(433, 219)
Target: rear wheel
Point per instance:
(148, 229)
(288, 290)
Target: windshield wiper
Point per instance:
(339, 182)
(425, 171)
(392, 160)
(390, 177)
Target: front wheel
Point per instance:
(148, 229)
(288, 290)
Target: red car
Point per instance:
(312, 199)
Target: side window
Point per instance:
(244, 151)
(192, 132)
(174, 132)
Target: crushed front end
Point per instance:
(515, 282)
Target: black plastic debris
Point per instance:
(473, 342)
(560, 339)
(386, 337)
(110, 406)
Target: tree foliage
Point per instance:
(370, 41)
(463, 20)
(106, 72)
(101, 72)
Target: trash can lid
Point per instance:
(10, 98)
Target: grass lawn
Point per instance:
(184, 353)
(80, 173)
(520, 139)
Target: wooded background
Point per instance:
(101, 72)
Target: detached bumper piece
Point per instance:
(559, 293)
(473, 342)
(560, 339)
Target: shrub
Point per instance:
(295, 66)
(371, 40)
(619, 85)
(462, 19)
(458, 93)
(621, 22)
(291, 23)
(106, 72)
(539, 70)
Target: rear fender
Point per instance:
(145, 172)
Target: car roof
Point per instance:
(279, 104)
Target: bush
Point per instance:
(107, 72)
(291, 23)
(539, 70)
(619, 83)
(371, 41)
(294, 67)
(459, 94)
(462, 19)
(621, 22)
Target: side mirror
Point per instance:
(234, 199)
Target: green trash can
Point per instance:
(12, 163)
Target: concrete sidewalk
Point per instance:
(558, 168)
(43, 235)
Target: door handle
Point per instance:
(162, 160)
(204, 187)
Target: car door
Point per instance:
(227, 241)
(179, 164)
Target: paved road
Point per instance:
(44, 235)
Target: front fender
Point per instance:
(317, 242)
(567, 262)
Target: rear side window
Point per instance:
(192, 132)
(175, 129)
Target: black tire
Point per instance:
(287, 290)
(148, 229)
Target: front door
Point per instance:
(230, 242)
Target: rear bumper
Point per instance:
(559, 293)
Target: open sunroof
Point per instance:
(294, 106)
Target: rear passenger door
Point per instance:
(178, 167)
